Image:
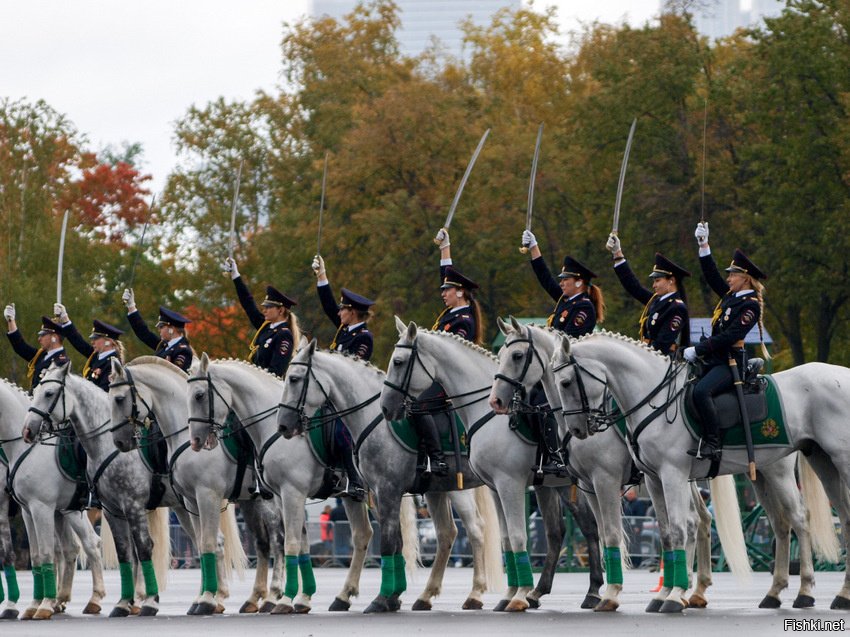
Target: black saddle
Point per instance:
(726, 404)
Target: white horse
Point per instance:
(121, 480)
(349, 387)
(601, 463)
(647, 386)
(287, 467)
(45, 495)
(149, 388)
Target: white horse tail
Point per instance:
(727, 517)
(409, 535)
(161, 557)
(492, 538)
(234, 552)
(821, 525)
(107, 545)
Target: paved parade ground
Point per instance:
(733, 611)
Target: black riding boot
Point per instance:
(354, 489)
(554, 464)
(708, 447)
(427, 430)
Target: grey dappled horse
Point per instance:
(815, 415)
(149, 388)
(348, 387)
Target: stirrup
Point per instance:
(705, 451)
(437, 467)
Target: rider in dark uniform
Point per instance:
(352, 337)
(277, 327)
(50, 348)
(103, 347)
(664, 322)
(739, 309)
(171, 344)
(579, 306)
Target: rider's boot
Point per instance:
(427, 430)
(354, 488)
(708, 447)
(554, 464)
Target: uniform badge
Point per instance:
(267, 343)
(446, 327)
(654, 318)
(747, 317)
(95, 373)
(675, 323)
(728, 312)
(580, 318)
(563, 316)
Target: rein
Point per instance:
(518, 403)
(58, 428)
(139, 423)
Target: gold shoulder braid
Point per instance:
(87, 366)
(253, 346)
(31, 364)
(437, 322)
(644, 316)
(718, 312)
(333, 342)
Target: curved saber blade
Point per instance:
(532, 179)
(702, 188)
(322, 205)
(623, 177)
(232, 244)
(141, 247)
(61, 257)
(463, 181)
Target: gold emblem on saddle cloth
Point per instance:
(463, 439)
(769, 428)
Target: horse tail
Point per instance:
(492, 538)
(107, 545)
(234, 552)
(409, 535)
(727, 516)
(159, 532)
(821, 525)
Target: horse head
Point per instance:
(128, 411)
(208, 406)
(521, 367)
(50, 406)
(582, 389)
(410, 373)
(302, 393)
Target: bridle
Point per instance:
(59, 429)
(518, 403)
(218, 428)
(134, 419)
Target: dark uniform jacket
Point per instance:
(97, 370)
(272, 347)
(460, 321)
(37, 358)
(180, 353)
(665, 317)
(357, 341)
(577, 315)
(732, 321)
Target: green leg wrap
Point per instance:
(291, 588)
(613, 565)
(37, 583)
(2, 592)
(308, 580)
(387, 575)
(128, 587)
(523, 569)
(400, 575)
(48, 575)
(669, 569)
(680, 575)
(151, 587)
(510, 568)
(209, 576)
(12, 582)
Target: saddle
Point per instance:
(72, 461)
(726, 404)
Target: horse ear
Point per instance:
(400, 326)
(117, 368)
(411, 330)
(311, 348)
(64, 369)
(503, 327)
(302, 342)
(565, 343)
(205, 362)
(515, 324)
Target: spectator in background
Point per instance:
(326, 528)
(634, 508)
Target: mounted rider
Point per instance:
(350, 317)
(172, 343)
(50, 346)
(579, 306)
(740, 308)
(103, 347)
(664, 323)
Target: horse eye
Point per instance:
(199, 396)
(517, 356)
(565, 383)
(119, 399)
(294, 379)
(397, 361)
(49, 394)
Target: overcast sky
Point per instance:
(125, 71)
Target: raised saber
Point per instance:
(623, 177)
(61, 257)
(141, 245)
(702, 190)
(232, 244)
(322, 206)
(463, 182)
(524, 249)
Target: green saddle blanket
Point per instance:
(237, 446)
(66, 458)
(520, 425)
(405, 434)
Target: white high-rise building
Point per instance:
(722, 17)
(422, 20)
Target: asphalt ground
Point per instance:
(732, 612)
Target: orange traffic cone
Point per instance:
(660, 578)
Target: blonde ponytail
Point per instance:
(296, 331)
(759, 288)
(595, 293)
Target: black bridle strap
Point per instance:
(365, 434)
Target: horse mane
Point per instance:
(626, 339)
(246, 365)
(14, 387)
(159, 362)
(466, 343)
(354, 359)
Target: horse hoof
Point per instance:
(135, 610)
(282, 609)
(606, 606)
(148, 611)
(219, 609)
(378, 605)
(393, 602)
(301, 609)
(840, 603)
(591, 602)
(697, 601)
(501, 605)
(43, 613)
(474, 604)
(9, 613)
(92, 608)
(533, 603)
(248, 608)
(770, 601)
(339, 605)
(516, 606)
(654, 606)
(204, 608)
(30, 611)
(804, 601)
(267, 607)
(119, 611)
(670, 606)
(421, 604)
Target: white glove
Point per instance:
(528, 239)
(690, 354)
(613, 244)
(442, 238)
(129, 298)
(701, 233)
(9, 312)
(61, 313)
(318, 265)
(229, 267)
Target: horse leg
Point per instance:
(656, 494)
(257, 528)
(66, 551)
(293, 523)
(549, 501)
(361, 535)
(677, 499)
(607, 503)
(90, 541)
(780, 523)
(509, 563)
(120, 528)
(389, 516)
(7, 561)
(512, 497)
(467, 509)
(444, 525)
(43, 518)
(273, 515)
(206, 540)
(143, 544)
(702, 550)
(584, 516)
